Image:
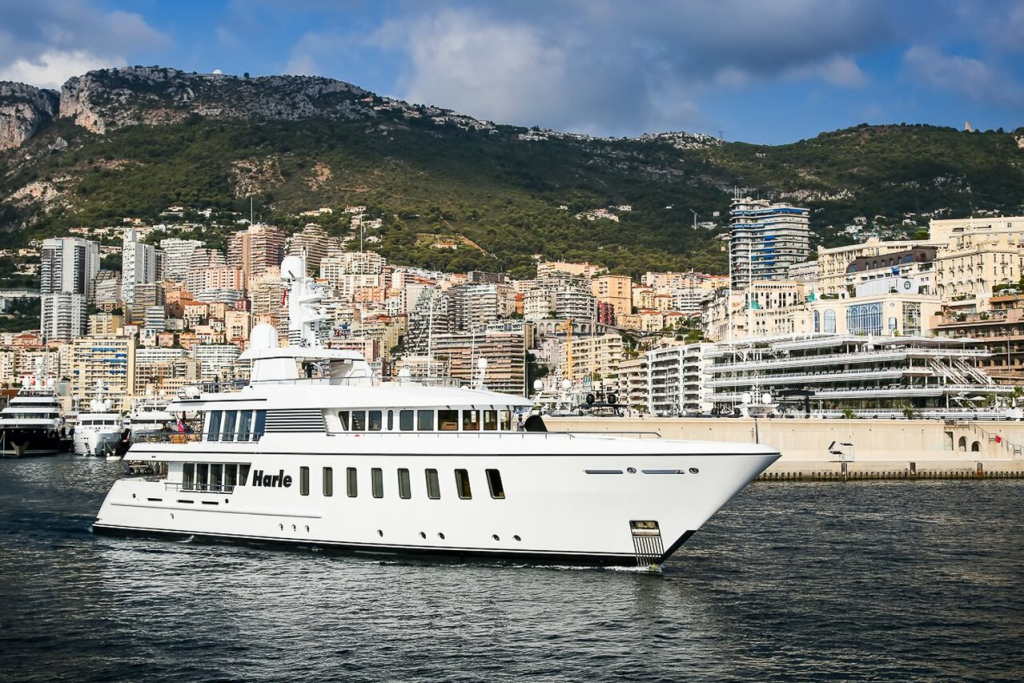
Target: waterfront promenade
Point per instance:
(878, 449)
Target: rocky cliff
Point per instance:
(23, 109)
(108, 99)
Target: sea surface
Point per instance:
(791, 581)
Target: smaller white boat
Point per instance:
(99, 431)
(148, 417)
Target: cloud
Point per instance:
(961, 75)
(842, 72)
(44, 42)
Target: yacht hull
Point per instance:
(27, 443)
(631, 508)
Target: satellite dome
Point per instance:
(263, 336)
(292, 268)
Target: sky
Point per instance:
(764, 71)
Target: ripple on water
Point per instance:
(907, 580)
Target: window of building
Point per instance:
(506, 420)
(376, 420)
(425, 420)
(864, 318)
(353, 483)
(433, 485)
(470, 420)
(448, 420)
(343, 419)
(462, 484)
(494, 484)
(213, 425)
(304, 481)
(377, 482)
(817, 321)
(893, 324)
(490, 420)
(358, 420)
(404, 485)
(830, 322)
(406, 420)
(328, 482)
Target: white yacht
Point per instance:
(328, 456)
(32, 424)
(99, 432)
(149, 416)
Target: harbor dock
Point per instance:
(844, 449)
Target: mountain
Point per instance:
(130, 142)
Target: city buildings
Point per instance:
(67, 269)
(765, 239)
(103, 365)
(256, 251)
(138, 265)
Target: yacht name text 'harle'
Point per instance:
(328, 456)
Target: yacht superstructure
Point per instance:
(32, 424)
(99, 431)
(331, 457)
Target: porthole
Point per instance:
(307, 528)
(294, 528)
(423, 534)
(631, 470)
(441, 536)
(495, 537)
(172, 515)
(516, 537)
(380, 533)
(694, 470)
(282, 526)
(133, 495)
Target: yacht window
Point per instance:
(377, 481)
(202, 476)
(391, 420)
(470, 420)
(216, 477)
(433, 485)
(243, 474)
(425, 420)
(376, 420)
(343, 418)
(405, 420)
(462, 484)
(304, 481)
(328, 482)
(404, 485)
(353, 483)
(490, 420)
(506, 420)
(230, 477)
(213, 425)
(448, 420)
(494, 484)
(188, 476)
(229, 425)
(261, 425)
(244, 425)
(358, 420)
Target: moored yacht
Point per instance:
(149, 416)
(317, 452)
(31, 424)
(100, 431)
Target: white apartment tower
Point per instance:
(177, 257)
(138, 265)
(766, 239)
(69, 265)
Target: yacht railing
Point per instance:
(166, 437)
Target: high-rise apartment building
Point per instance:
(69, 265)
(315, 243)
(107, 360)
(177, 257)
(766, 239)
(138, 265)
(256, 250)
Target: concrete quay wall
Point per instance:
(890, 449)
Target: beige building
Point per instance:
(616, 290)
(942, 231)
(105, 323)
(834, 263)
(597, 357)
(505, 353)
(972, 264)
(108, 360)
(584, 270)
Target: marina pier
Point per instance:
(844, 449)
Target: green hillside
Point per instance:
(500, 192)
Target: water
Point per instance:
(870, 580)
